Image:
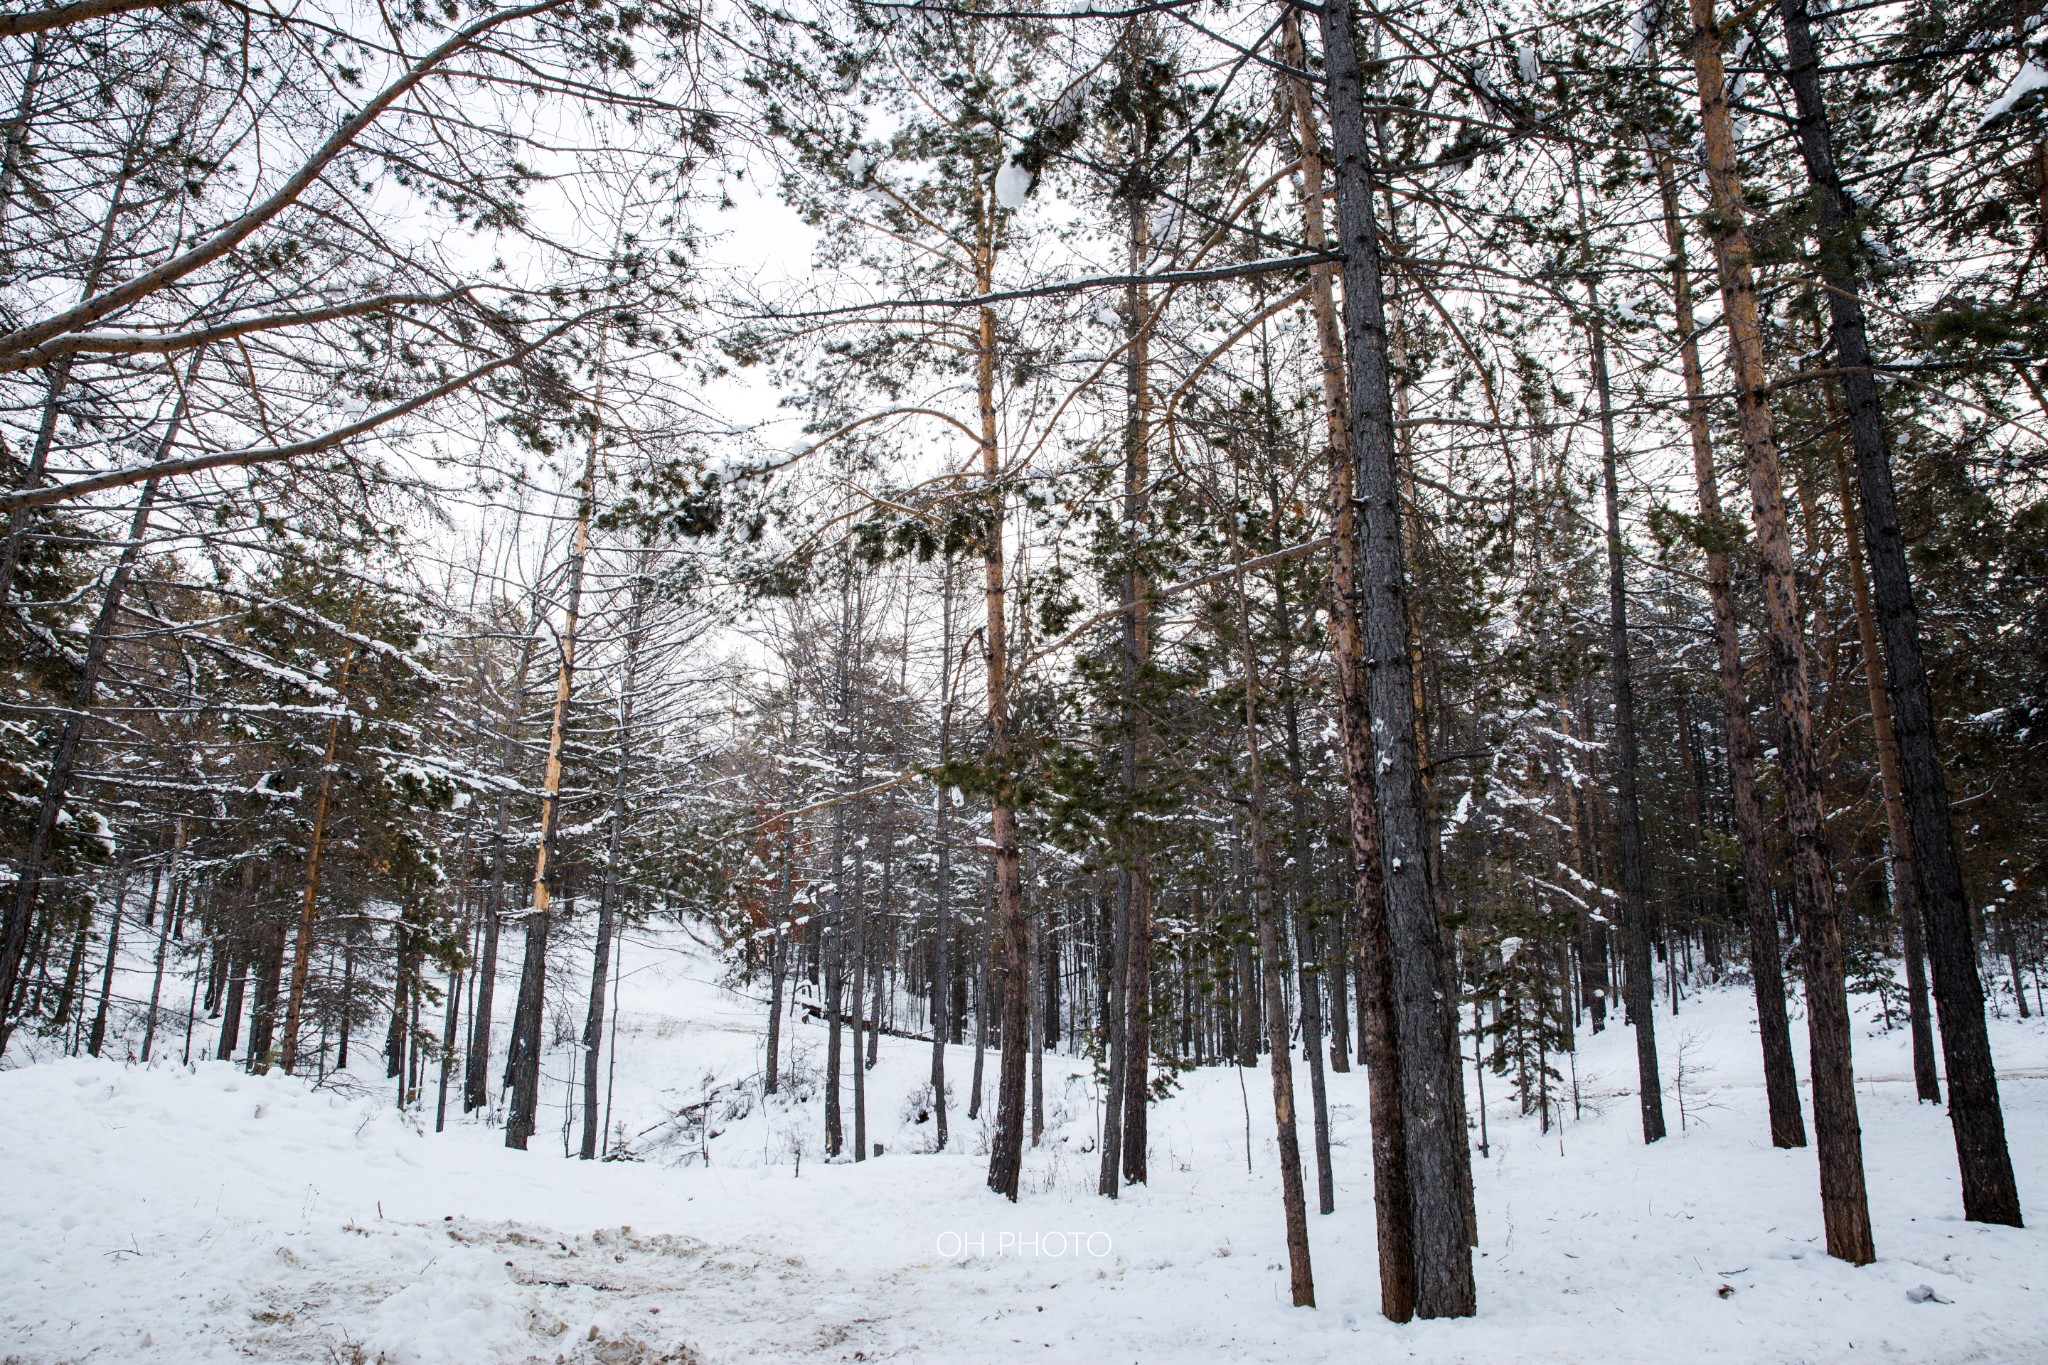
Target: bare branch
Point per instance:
(228, 237)
(20, 23)
(1274, 266)
(255, 455)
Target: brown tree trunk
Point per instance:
(1137, 628)
(1990, 1193)
(523, 1065)
(1006, 1153)
(1766, 958)
(302, 947)
(1379, 1045)
(1266, 910)
(1642, 1016)
(1898, 832)
(1845, 1207)
(1432, 1103)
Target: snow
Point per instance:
(2031, 76)
(1642, 28)
(1526, 63)
(1013, 184)
(167, 1214)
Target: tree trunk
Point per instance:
(1109, 1180)
(163, 939)
(1432, 1107)
(1293, 1199)
(523, 1064)
(263, 1013)
(231, 1012)
(67, 999)
(1990, 1193)
(1845, 1208)
(348, 1000)
(1335, 966)
(1378, 1040)
(1006, 1152)
(302, 949)
(1766, 958)
(980, 1024)
(21, 913)
(1310, 990)
(98, 1036)
(450, 1024)
(1642, 1016)
(401, 996)
(1901, 879)
(476, 1083)
(1135, 947)
(942, 934)
(607, 893)
(859, 954)
(834, 947)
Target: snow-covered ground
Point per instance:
(173, 1214)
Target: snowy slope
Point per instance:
(174, 1215)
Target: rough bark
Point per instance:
(1905, 897)
(1432, 1104)
(1266, 910)
(1136, 1091)
(523, 1063)
(1990, 1193)
(1627, 813)
(1378, 1041)
(1006, 1153)
(1845, 1208)
(302, 945)
(1766, 957)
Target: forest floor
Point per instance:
(174, 1214)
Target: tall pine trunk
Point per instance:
(20, 924)
(942, 909)
(1766, 958)
(1845, 1210)
(1006, 1152)
(1990, 1193)
(1136, 1090)
(1280, 1056)
(1903, 881)
(523, 1064)
(1378, 1040)
(1642, 1016)
(1431, 1086)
